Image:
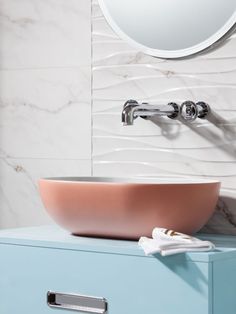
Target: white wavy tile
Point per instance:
(197, 66)
(44, 33)
(109, 76)
(220, 95)
(169, 169)
(20, 203)
(213, 140)
(205, 148)
(109, 149)
(45, 113)
(218, 119)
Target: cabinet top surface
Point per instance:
(55, 237)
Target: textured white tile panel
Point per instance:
(45, 113)
(205, 148)
(44, 33)
(20, 203)
(218, 171)
(117, 84)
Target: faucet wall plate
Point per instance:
(175, 114)
(205, 109)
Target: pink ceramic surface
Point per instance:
(128, 208)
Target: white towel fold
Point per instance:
(169, 242)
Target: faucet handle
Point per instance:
(190, 111)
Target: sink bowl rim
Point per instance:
(130, 180)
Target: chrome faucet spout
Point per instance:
(132, 110)
(127, 116)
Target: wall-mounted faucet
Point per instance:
(132, 110)
(189, 111)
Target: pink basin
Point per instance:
(128, 208)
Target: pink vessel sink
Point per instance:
(128, 208)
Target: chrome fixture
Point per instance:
(190, 111)
(132, 110)
(77, 302)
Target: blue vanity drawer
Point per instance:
(130, 284)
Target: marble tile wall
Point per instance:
(46, 116)
(168, 148)
(45, 94)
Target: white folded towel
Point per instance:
(169, 242)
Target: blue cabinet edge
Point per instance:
(55, 237)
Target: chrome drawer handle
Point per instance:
(77, 302)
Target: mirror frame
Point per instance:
(211, 43)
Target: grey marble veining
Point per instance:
(43, 112)
(19, 195)
(44, 33)
(165, 148)
(45, 101)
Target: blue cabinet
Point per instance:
(37, 263)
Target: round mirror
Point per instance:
(171, 29)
